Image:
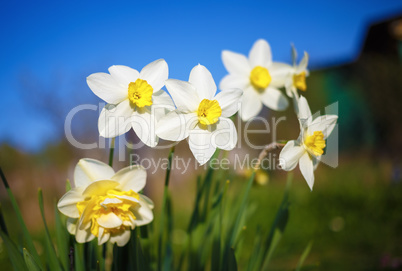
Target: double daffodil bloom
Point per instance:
(135, 99)
(105, 204)
(309, 147)
(201, 114)
(258, 77)
(296, 79)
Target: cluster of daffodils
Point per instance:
(107, 205)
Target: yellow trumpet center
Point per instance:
(115, 206)
(299, 81)
(209, 112)
(140, 93)
(315, 143)
(260, 78)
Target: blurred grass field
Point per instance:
(352, 217)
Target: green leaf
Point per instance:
(78, 257)
(62, 239)
(15, 255)
(25, 233)
(303, 257)
(236, 228)
(52, 258)
(68, 185)
(29, 261)
(279, 224)
(232, 266)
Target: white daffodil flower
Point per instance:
(135, 99)
(202, 114)
(258, 77)
(296, 78)
(309, 147)
(105, 204)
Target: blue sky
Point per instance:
(65, 41)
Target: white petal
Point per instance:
(107, 88)
(109, 221)
(144, 125)
(316, 161)
(290, 155)
(235, 63)
(234, 81)
(155, 73)
(325, 124)
(108, 201)
(143, 213)
(225, 135)
(303, 108)
(72, 225)
(307, 169)
(99, 188)
(123, 75)
(175, 126)
(279, 73)
(127, 198)
(115, 120)
(229, 100)
(303, 64)
(83, 236)
(121, 238)
(274, 99)
(68, 203)
(103, 236)
(147, 201)
(131, 178)
(260, 54)
(184, 95)
(90, 170)
(200, 141)
(202, 80)
(161, 98)
(251, 104)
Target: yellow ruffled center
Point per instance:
(315, 143)
(140, 93)
(114, 204)
(260, 78)
(209, 112)
(299, 81)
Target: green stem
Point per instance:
(27, 237)
(111, 151)
(107, 251)
(164, 203)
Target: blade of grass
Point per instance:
(279, 224)
(161, 244)
(303, 257)
(232, 266)
(29, 261)
(61, 239)
(3, 226)
(243, 204)
(52, 256)
(27, 236)
(13, 253)
(216, 242)
(78, 257)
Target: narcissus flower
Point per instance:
(296, 78)
(309, 147)
(135, 99)
(258, 77)
(105, 204)
(202, 114)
